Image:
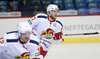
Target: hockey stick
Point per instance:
(93, 33)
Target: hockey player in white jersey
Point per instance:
(48, 27)
(20, 44)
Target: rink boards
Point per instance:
(81, 40)
(81, 25)
(71, 25)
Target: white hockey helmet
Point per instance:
(24, 27)
(52, 7)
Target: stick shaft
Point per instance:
(93, 33)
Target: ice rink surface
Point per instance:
(74, 51)
(62, 51)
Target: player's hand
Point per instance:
(57, 36)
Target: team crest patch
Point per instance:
(48, 33)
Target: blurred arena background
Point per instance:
(31, 7)
(77, 16)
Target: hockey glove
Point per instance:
(57, 36)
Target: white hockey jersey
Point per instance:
(43, 27)
(12, 48)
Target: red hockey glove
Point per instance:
(57, 36)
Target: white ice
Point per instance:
(74, 51)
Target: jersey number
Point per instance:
(1, 41)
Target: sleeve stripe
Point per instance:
(42, 17)
(12, 32)
(12, 40)
(60, 23)
(34, 42)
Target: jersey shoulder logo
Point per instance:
(30, 20)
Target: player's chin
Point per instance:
(26, 40)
